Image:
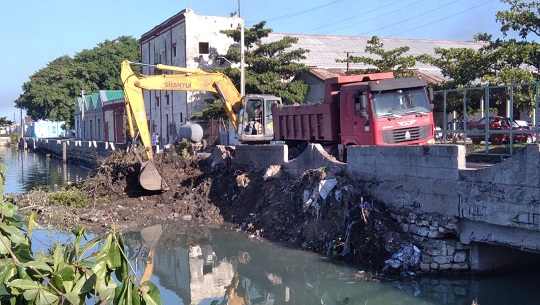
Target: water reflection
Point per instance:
(225, 267)
(28, 170)
(198, 265)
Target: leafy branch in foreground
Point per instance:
(98, 268)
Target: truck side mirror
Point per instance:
(363, 108)
(431, 97)
(363, 102)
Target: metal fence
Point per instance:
(468, 117)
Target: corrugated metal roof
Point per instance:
(109, 95)
(95, 100)
(324, 50)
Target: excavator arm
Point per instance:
(184, 80)
(149, 177)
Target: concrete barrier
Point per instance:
(82, 152)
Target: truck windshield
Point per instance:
(397, 103)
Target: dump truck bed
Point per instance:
(308, 122)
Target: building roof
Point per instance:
(324, 50)
(109, 95)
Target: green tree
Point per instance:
(269, 66)
(498, 62)
(523, 17)
(51, 91)
(384, 61)
(4, 121)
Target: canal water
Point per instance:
(200, 265)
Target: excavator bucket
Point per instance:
(151, 235)
(150, 179)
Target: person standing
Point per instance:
(153, 140)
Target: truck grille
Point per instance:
(405, 134)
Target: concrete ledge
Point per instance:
(314, 156)
(84, 152)
(248, 157)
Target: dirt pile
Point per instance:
(321, 210)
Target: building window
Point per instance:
(174, 50)
(167, 99)
(204, 48)
(157, 101)
(181, 117)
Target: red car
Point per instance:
(475, 131)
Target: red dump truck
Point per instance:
(369, 109)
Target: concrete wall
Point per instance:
(494, 205)
(77, 151)
(433, 193)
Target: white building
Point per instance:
(185, 40)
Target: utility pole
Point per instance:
(348, 54)
(242, 61)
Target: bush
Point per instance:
(71, 197)
(14, 138)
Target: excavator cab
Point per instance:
(256, 118)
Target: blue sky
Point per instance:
(34, 32)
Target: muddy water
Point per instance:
(198, 265)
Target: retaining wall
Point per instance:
(83, 152)
(434, 195)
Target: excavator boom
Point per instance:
(149, 177)
(192, 80)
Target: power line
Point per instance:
(376, 17)
(425, 13)
(353, 17)
(440, 19)
(299, 12)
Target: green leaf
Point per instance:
(67, 273)
(8, 210)
(73, 298)
(14, 234)
(148, 299)
(30, 294)
(46, 298)
(153, 294)
(4, 293)
(135, 297)
(5, 244)
(7, 270)
(115, 257)
(89, 245)
(129, 292)
(23, 284)
(57, 282)
(22, 273)
(58, 256)
(120, 293)
(68, 286)
(39, 265)
(23, 252)
(123, 270)
(31, 224)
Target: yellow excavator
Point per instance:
(250, 115)
(150, 237)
